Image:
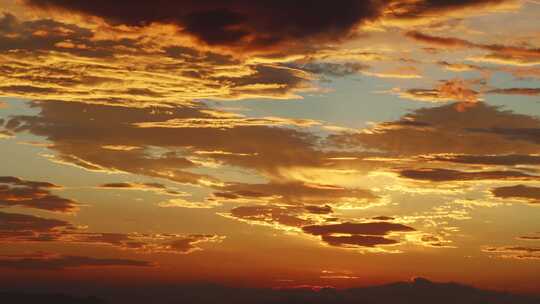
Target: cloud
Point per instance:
(518, 192)
(331, 69)
(251, 25)
(15, 226)
(295, 193)
(514, 252)
(498, 160)
(501, 54)
(351, 235)
(447, 90)
(535, 237)
(459, 67)
(266, 24)
(154, 187)
(357, 240)
(327, 226)
(276, 216)
(30, 194)
(61, 262)
(179, 144)
(516, 91)
(435, 10)
(82, 135)
(189, 243)
(446, 129)
(407, 72)
(45, 59)
(20, 228)
(375, 228)
(445, 175)
(226, 123)
(517, 134)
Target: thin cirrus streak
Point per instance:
(287, 150)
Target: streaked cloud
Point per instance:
(15, 192)
(20, 228)
(61, 262)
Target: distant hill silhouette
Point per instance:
(29, 298)
(418, 291)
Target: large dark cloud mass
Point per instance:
(258, 23)
(231, 22)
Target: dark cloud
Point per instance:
(291, 217)
(460, 67)
(82, 134)
(499, 53)
(188, 244)
(50, 35)
(171, 143)
(517, 134)
(357, 240)
(440, 41)
(515, 252)
(448, 129)
(523, 192)
(320, 209)
(331, 69)
(29, 224)
(425, 8)
(357, 234)
(240, 22)
(499, 160)
(516, 91)
(530, 237)
(375, 228)
(30, 194)
(61, 262)
(383, 218)
(445, 175)
(262, 24)
(154, 187)
(20, 228)
(296, 193)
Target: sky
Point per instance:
(270, 144)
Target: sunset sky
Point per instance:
(270, 143)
